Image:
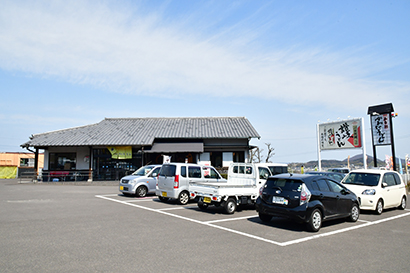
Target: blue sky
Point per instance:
(285, 65)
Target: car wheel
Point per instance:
(202, 205)
(163, 199)
(265, 217)
(403, 204)
(183, 198)
(141, 191)
(354, 213)
(379, 207)
(315, 221)
(230, 206)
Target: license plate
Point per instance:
(121, 188)
(279, 200)
(164, 194)
(207, 199)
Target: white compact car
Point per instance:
(377, 189)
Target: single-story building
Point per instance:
(115, 147)
(17, 164)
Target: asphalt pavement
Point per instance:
(91, 227)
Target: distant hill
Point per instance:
(354, 162)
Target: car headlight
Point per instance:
(132, 181)
(369, 192)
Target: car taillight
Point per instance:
(176, 182)
(304, 195)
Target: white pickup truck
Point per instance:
(241, 188)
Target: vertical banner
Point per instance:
(381, 129)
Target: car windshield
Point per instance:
(283, 184)
(143, 171)
(363, 179)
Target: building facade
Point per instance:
(116, 147)
(14, 165)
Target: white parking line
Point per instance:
(230, 219)
(210, 224)
(176, 208)
(364, 221)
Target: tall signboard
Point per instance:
(345, 134)
(382, 128)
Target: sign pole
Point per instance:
(364, 146)
(319, 160)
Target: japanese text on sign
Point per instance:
(340, 135)
(381, 129)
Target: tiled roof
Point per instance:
(143, 131)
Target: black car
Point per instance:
(305, 198)
(334, 175)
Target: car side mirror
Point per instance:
(345, 192)
(384, 184)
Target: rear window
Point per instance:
(168, 170)
(284, 184)
(278, 170)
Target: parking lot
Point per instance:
(247, 223)
(72, 228)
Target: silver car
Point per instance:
(141, 182)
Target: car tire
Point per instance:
(265, 217)
(202, 205)
(315, 221)
(183, 198)
(354, 213)
(403, 203)
(230, 206)
(379, 207)
(141, 191)
(163, 199)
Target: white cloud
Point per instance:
(132, 51)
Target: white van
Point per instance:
(174, 178)
(275, 168)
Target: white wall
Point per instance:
(205, 158)
(227, 159)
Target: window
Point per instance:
(155, 172)
(210, 173)
(278, 169)
(216, 159)
(168, 170)
(194, 172)
(263, 173)
(284, 184)
(183, 171)
(367, 179)
(323, 185)
(235, 169)
(335, 187)
(62, 161)
(26, 162)
(388, 178)
(397, 178)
